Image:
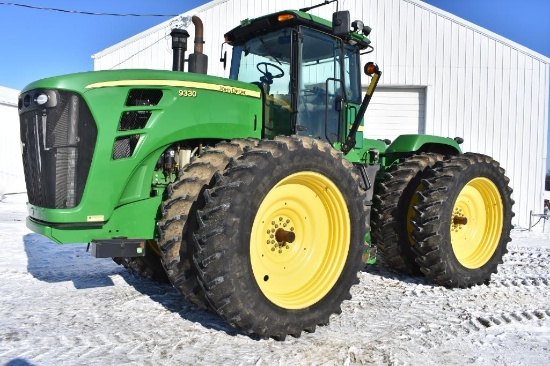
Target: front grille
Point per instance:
(58, 140)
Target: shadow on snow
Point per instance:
(52, 263)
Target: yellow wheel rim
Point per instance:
(154, 247)
(300, 240)
(476, 222)
(410, 213)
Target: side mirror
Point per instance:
(223, 57)
(341, 23)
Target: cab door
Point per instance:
(321, 98)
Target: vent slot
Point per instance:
(125, 146)
(134, 120)
(143, 97)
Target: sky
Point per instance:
(39, 43)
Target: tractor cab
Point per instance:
(307, 69)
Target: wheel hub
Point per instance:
(280, 233)
(459, 220)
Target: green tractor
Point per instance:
(253, 195)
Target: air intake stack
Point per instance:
(179, 46)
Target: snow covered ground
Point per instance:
(60, 306)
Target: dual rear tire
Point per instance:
(447, 218)
(462, 220)
(272, 242)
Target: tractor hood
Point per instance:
(91, 141)
(86, 81)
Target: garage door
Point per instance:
(395, 111)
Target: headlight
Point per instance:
(38, 99)
(41, 99)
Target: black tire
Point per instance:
(179, 219)
(392, 212)
(249, 193)
(148, 266)
(463, 220)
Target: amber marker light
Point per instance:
(370, 68)
(285, 17)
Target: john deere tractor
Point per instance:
(255, 195)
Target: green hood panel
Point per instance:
(85, 81)
(192, 106)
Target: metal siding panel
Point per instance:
(453, 118)
(392, 52)
(153, 56)
(425, 49)
(417, 49)
(497, 110)
(468, 71)
(431, 74)
(481, 116)
(135, 61)
(537, 179)
(519, 158)
(475, 94)
(446, 77)
(380, 35)
(403, 47)
(505, 115)
(528, 151)
(511, 161)
(461, 75)
(438, 75)
(520, 162)
(489, 132)
(544, 116)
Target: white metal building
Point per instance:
(442, 75)
(12, 179)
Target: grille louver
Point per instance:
(125, 146)
(143, 97)
(134, 120)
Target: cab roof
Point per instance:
(250, 28)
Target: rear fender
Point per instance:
(406, 145)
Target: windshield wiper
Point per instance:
(269, 50)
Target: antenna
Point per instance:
(305, 10)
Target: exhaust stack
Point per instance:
(198, 61)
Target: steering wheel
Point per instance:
(267, 76)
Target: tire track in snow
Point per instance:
(516, 295)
